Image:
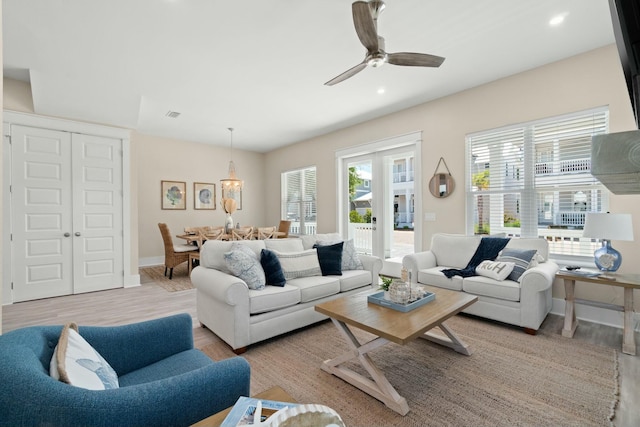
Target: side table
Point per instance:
(274, 393)
(627, 281)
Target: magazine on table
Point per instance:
(243, 411)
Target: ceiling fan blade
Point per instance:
(414, 59)
(349, 73)
(365, 26)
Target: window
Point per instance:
(299, 200)
(534, 180)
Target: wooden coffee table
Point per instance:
(390, 326)
(274, 393)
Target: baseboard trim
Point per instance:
(596, 314)
(151, 261)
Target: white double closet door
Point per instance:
(66, 213)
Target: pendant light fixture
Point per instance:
(232, 183)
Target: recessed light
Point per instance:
(381, 91)
(557, 19)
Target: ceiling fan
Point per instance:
(365, 19)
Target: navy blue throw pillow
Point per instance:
(330, 259)
(272, 268)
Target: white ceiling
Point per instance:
(260, 66)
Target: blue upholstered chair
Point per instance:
(164, 381)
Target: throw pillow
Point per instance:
(521, 259)
(299, 264)
(246, 267)
(497, 270)
(330, 258)
(76, 363)
(237, 246)
(272, 268)
(350, 258)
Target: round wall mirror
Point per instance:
(441, 185)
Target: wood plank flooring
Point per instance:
(148, 301)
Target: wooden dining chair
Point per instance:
(284, 227)
(265, 232)
(215, 234)
(174, 255)
(242, 233)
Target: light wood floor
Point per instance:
(122, 306)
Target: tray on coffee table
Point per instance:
(378, 298)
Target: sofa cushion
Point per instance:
(313, 288)
(483, 286)
(174, 365)
(496, 270)
(434, 276)
(292, 244)
(350, 258)
(299, 264)
(77, 363)
(212, 252)
(247, 267)
(454, 250)
(273, 298)
(330, 258)
(272, 268)
(353, 279)
(520, 257)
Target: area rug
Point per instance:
(511, 379)
(179, 282)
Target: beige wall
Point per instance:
(168, 159)
(589, 80)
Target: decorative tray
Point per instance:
(378, 298)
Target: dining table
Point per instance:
(199, 239)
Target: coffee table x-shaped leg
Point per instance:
(380, 387)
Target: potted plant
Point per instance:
(386, 282)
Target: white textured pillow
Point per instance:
(299, 264)
(247, 267)
(497, 270)
(76, 363)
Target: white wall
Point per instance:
(585, 81)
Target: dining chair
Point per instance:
(174, 255)
(242, 233)
(265, 232)
(215, 234)
(284, 227)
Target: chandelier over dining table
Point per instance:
(232, 183)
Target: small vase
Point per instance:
(387, 295)
(228, 224)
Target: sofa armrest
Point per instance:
(539, 278)
(418, 261)
(374, 265)
(219, 285)
(130, 347)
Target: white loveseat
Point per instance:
(241, 316)
(523, 303)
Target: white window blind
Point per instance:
(534, 180)
(299, 200)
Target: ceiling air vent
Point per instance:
(172, 114)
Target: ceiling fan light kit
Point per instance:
(365, 20)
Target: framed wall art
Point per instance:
(236, 195)
(173, 194)
(204, 195)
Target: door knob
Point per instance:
(77, 233)
(67, 234)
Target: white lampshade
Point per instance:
(608, 226)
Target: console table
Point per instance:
(627, 281)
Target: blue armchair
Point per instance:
(164, 381)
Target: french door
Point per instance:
(378, 208)
(66, 213)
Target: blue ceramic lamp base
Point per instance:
(607, 258)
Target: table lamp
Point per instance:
(608, 227)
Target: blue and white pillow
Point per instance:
(247, 267)
(521, 258)
(76, 363)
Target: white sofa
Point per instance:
(525, 303)
(241, 316)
